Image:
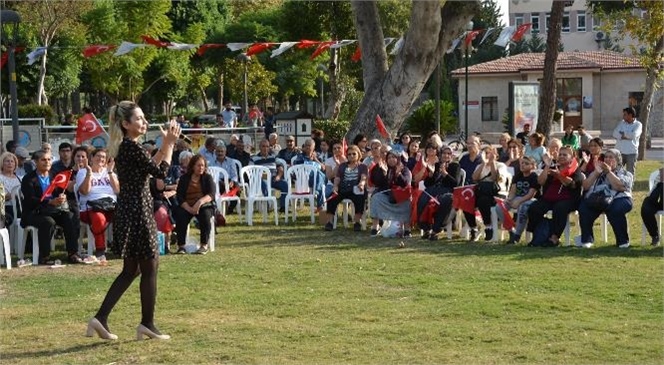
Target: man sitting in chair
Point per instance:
(265, 158)
(227, 164)
(308, 156)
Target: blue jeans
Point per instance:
(616, 214)
(280, 185)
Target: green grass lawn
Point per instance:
(297, 294)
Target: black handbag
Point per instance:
(599, 201)
(105, 204)
(487, 188)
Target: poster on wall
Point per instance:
(523, 105)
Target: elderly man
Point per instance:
(274, 143)
(240, 154)
(290, 151)
(227, 164)
(24, 164)
(207, 151)
(265, 158)
(46, 211)
(309, 157)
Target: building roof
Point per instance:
(603, 60)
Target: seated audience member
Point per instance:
(424, 167)
(360, 141)
(524, 189)
(350, 182)
(523, 135)
(653, 203)
(97, 181)
(552, 150)
(317, 136)
(66, 160)
(325, 151)
(504, 149)
(195, 193)
(414, 154)
(227, 164)
(333, 162)
(274, 143)
(45, 212)
(207, 151)
(180, 146)
(590, 159)
(240, 153)
(402, 145)
(535, 147)
(584, 138)
(278, 180)
(515, 152)
(388, 173)
(441, 178)
(469, 161)
(487, 179)
(25, 165)
(308, 157)
(570, 138)
(610, 179)
(232, 143)
(375, 153)
(437, 140)
(561, 192)
(289, 151)
(9, 181)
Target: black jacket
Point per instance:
(32, 193)
(208, 187)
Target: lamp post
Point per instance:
(242, 57)
(12, 18)
(321, 70)
(469, 27)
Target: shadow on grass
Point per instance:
(341, 239)
(51, 352)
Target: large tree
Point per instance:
(391, 90)
(547, 98)
(648, 31)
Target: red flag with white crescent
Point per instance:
(59, 181)
(204, 47)
(521, 31)
(88, 128)
(344, 147)
(155, 42)
(257, 48)
(94, 50)
(381, 127)
(508, 221)
(322, 47)
(463, 198)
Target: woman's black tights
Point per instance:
(132, 268)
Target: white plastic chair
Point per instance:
(659, 214)
(219, 173)
(15, 226)
(21, 233)
(458, 215)
(5, 254)
(348, 211)
(299, 189)
(255, 193)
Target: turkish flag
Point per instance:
(508, 222)
(401, 194)
(463, 198)
(94, 50)
(155, 42)
(357, 55)
(59, 181)
(322, 47)
(304, 43)
(381, 127)
(520, 31)
(233, 192)
(257, 48)
(88, 128)
(470, 36)
(204, 47)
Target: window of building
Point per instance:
(581, 21)
(490, 109)
(548, 21)
(596, 23)
(566, 22)
(534, 19)
(518, 19)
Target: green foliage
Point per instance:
(505, 120)
(259, 80)
(334, 130)
(423, 119)
(213, 15)
(37, 111)
(353, 98)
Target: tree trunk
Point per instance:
(337, 88)
(391, 92)
(220, 95)
(206, 105)
(547, 98)
(42, 99)
(648, 96)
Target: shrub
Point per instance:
(423, 119)
(37, 111)
(333, 129)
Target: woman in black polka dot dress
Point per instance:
(134, 228)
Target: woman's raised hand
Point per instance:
(172, 133)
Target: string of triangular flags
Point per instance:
(507, 34)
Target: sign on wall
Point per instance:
(524, 105)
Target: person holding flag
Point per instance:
(45, 206)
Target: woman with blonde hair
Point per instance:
(134, 228)
(9, 181)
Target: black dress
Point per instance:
(134, 228)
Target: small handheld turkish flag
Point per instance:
(381, 127)
(508, 221)
(463, 198)
(88, 128)
(59, 181)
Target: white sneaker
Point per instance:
(586, 245)
(624, 245)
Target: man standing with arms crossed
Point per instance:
(627, 134)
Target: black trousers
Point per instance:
(45, 224)
(560, 210)
(182, 219)
(483, 203)
(358, 202)
(651, 205)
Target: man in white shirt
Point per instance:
(208, 150)
(229, 117)
(627, 134)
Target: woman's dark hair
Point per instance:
(193, 161)
(403, 135)
(358, 138)
(410, 143)
(85, 149)
(97, 150)
(597, 141)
